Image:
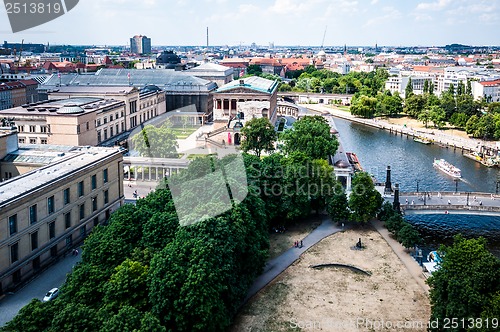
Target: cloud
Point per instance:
(296, 7)
(439, 5)
(390, 15)
(374, 2)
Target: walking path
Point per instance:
(411, 265)
(276, 266)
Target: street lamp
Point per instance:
(468, 198)
(425, 194)
(417, 185)
(456, 185)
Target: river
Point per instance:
(411, 165)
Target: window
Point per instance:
(43, 140)
(94, 204)
(66, 195)
(36, 263)
(117, 128)
(78, 129)
(13, 224)
(111, 132)
(43, 129)
(53, 251)
(105, 176)
(88, 125)
(22, 140)
(123, 126)
(133, 106)
(106, 197)
(20, 129)
(67, 220)
(81, 189)
(50, 205)
(96, 221)
(105, 134)
(94, 182)
(111, 118)
(14, 252)
(52, 229)
(34, 241)
(69, 241)
(98, 122)
(32, 140)
(105, 119)
(32, 129)
(83, 231)
(82, 211)
(99, 139)
(33, 214)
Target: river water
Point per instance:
(411, 165)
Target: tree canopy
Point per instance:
(258, 135)
(311, 136)
(156, 142)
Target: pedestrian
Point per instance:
(301, 243)
(76, 252)
(412, 202)
(481, 203)
(492, 197)
(449, 202)
(407, 201)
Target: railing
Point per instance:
(217, 131)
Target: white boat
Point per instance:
(447, 168)
(433, 260)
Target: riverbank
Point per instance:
(405, 126)
(308, 299)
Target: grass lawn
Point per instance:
(182, 133)
(200, 155)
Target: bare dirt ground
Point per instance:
(416, 125)
(281, 242)
(338, 299)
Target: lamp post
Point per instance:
(417, 185)
(456, 186)
(425, 194)
(468, 198)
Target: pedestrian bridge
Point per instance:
(448, 203)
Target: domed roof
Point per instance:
(70, 109)
(341, 164)
(321, 53)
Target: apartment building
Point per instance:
(47, 210)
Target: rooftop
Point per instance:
(166, 79)
(253, 83)
(62, 162)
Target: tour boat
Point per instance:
(447, 168)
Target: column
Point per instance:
(149, 169)
(156, 174)
(142, 172)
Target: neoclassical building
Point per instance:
(246, 98)
(50, 199)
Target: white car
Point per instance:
(51, 294)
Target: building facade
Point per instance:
(86, 115)
(49, 210)
(140, 45)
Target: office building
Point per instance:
(140, 45)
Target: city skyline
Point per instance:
(282, 22)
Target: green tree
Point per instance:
(408, 236)
(156, 142)
(466, 282)
(426, 86)
(258, 135)
(310, 135)
(254, 70)
(365, 201)
(414, 105)
(338, 207)
(437, 116)
(364, 106)
(409, 89)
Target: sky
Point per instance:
(283, 22)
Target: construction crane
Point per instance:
(324, 35)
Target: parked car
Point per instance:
(51, 294)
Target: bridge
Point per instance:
(448, 203)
